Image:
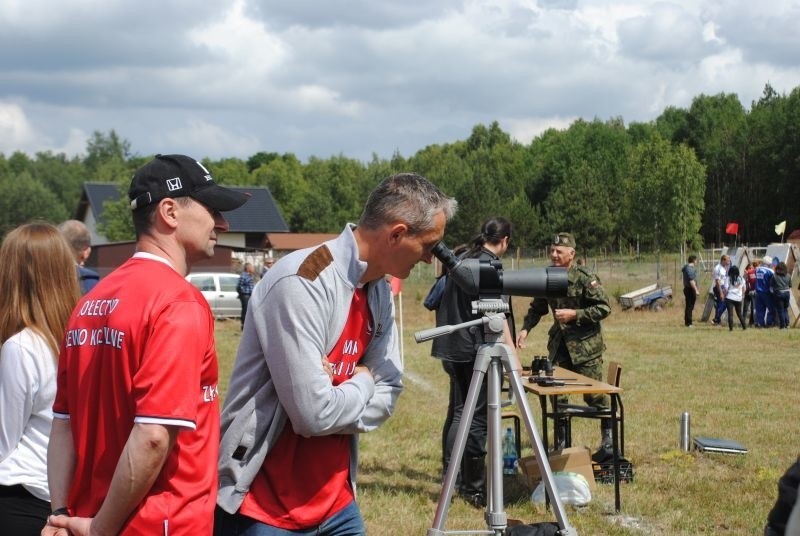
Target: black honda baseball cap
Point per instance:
(176, 175)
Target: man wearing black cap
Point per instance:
(575, 340)
(136, 418)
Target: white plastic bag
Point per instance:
(572, 489)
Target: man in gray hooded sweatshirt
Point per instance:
(319, 363)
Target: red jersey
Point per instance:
(139, 348)
(751, 278)
(306, 480)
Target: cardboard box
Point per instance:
(573, 460)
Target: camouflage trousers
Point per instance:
(593, 369)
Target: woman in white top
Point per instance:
(39, 289)
(734, 296)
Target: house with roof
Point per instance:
(249, 228)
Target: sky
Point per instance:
(230, 78)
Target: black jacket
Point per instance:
(456, 307)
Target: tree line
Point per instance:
(671, 182)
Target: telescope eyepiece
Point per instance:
(445, 255)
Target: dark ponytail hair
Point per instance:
(733, 273)
(493, 231)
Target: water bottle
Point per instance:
(509, 453)
(685, 437)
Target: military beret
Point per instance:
(564, 239)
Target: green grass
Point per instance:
(737, 385)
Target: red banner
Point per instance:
(397, 286)
(732, 228)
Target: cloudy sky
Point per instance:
(219, 78)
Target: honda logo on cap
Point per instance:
(174, 184)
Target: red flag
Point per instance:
(397, 286)
(732, 228)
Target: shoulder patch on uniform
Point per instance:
(594, 280)
(318, 260)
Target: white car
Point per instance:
(219, 288)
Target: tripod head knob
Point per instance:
(487, 306)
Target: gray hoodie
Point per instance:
(296, 315)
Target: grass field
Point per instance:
(737, 385)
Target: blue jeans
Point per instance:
(765, 309)
(781, 301)
(719, 305)
(346, 522)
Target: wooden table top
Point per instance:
(574, 383)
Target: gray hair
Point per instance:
(409, 198)
(76, 234)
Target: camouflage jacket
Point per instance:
(583, 337)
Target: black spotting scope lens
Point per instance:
(487, 279)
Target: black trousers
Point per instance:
(21, 514)
(749, 306)
(245, 299)
(735, 306)
(691, 299)
(460, 378)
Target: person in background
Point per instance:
(268, 262)
(575, 340)
(318, 364)
(765, 309)
(79, 239)
(39, 289)
(135, 433)
(457, 352)
(784, 517)
(244, 288)
(734, 295)
(690, 289)
(750, 295)
(720, 276)
(781, 287)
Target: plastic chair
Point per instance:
(568, 411)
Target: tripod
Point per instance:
(492, 358)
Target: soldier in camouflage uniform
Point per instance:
(575, 340)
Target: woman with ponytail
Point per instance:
(457, 351)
